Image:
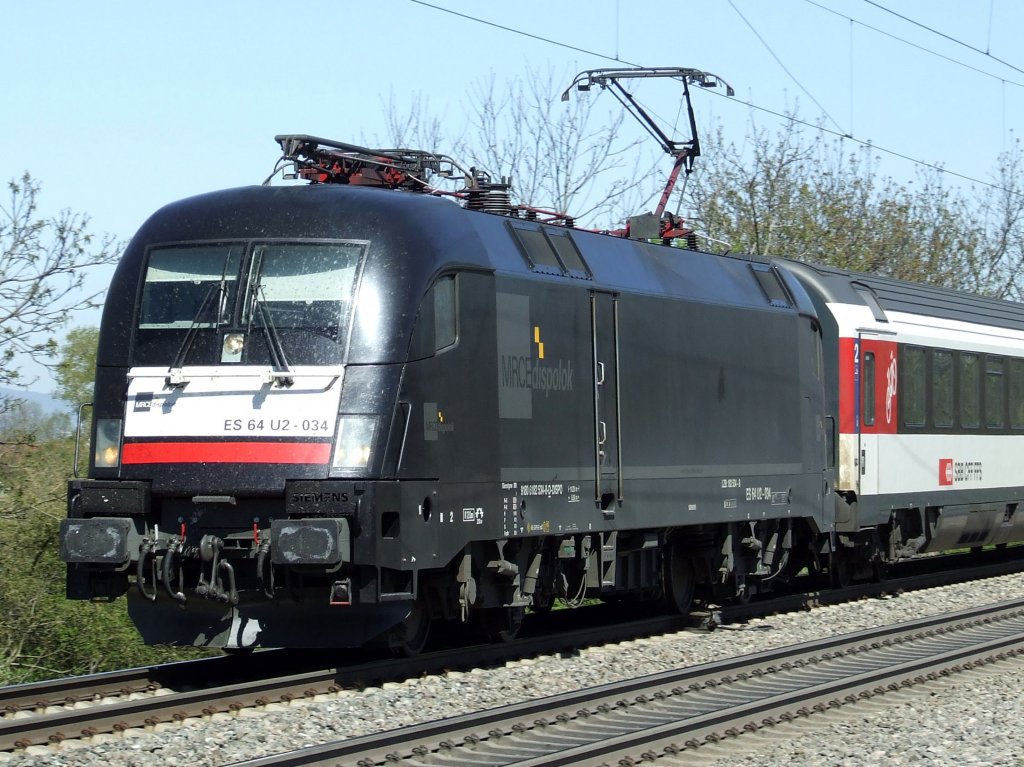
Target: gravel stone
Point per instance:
(971, 720)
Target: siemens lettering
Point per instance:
(525, 373)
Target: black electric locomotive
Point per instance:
(334, 413)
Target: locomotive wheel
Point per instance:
(743, 595)
(879, 570)
(501, 624)
(410, 636)
(800, 560)
(543, 603)
(841, 567)
(679, 581)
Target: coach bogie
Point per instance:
(906, 532)
(971, 526)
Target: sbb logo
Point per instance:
(945, 471)
(890, 387)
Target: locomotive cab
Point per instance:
(247, 407)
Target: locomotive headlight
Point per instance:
(231, 350)
(353, 444)
(107, 453)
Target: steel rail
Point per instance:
(42, 712)
(666, 713)
(45, 725)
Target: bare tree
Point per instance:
(43, 264)
(999, 227)
(417, 128)
(559, 155)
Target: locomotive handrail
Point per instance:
(78, 436)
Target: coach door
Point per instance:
(876, 383)
(866, 415)
(604, 317)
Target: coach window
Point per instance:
(912, 385)
(994, 398)
(868, 389)
(1016, 394)
(942, 389)
(970, 400)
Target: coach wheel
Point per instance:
(410, 636)
(679, 580)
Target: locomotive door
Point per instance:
(604, 318)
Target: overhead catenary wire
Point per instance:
(790, 118)
(876, 147)
(784, 67)
(520, 32)
(919, 47)
(945, 36)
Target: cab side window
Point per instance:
(437, 323)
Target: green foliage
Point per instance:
(25, 422)
(43, 635)
(76, 370)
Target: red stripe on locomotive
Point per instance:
(226, 452)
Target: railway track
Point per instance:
(662, 717)
(129, 700)
(53, 711)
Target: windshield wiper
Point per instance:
(278, 360)
(174, 377)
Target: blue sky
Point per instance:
(120, 107)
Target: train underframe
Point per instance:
(296, 582)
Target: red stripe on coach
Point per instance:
(847, 402)
(225, 452)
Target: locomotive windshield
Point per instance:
(181, 282)
(193, 294)
(302, 286)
